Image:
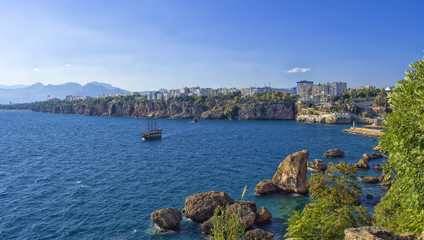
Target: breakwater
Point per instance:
(364, 132)
(176, 109)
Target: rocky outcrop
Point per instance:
(385, 182)
(291, 173)
(378, 167)
(363, 164)
(334, 153)
(258, 234)
(421, 237)
(376, 148)
(262, 216)
(244, 212)
(374, 233)
(375, 155)
(207, 226)
(265, 187)
(317, 165)
(201, 206)
(366, 157)
(370, 179)
(167, 218)
(176, 109)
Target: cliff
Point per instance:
(176, 109)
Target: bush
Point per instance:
(333, 194)
(402, 209)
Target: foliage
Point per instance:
(333, 194)
(402, 209)
(226, 226)
(366, 114)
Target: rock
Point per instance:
(366, 157)
(334, 153)
(207, 226)
(369, 233)
(406, 236)
(247, 216)
(375, 155)
(386, 183)
(291, 173)
(355, 165)
(363, 164)
(317, 165)
(378, 167)
(249, 204)
(262, 215)
(370, 179)
(201, 206)
(369, 196)
(421, 237)
(265, 187)
(167, 218)
(258, 234)
(376, 148)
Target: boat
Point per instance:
(152, 131)
(195, 119)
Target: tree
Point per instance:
(402, 209)
(334, 194)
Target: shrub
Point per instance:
(333, 194)
(402, 209)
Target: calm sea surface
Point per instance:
(84, 177)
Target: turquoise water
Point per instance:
(84, 177)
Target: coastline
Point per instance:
(367, 132)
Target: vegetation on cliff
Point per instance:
(229, 106)
(402, 209)
(334, 194)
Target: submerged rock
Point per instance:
(258, 234)
(167, 218)
(207, 226)
(265, 187)
(378, 167)
(262, 215)
(291, 173)
(334, 153)
(201, 206)
(317, 165)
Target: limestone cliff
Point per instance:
(176, 109)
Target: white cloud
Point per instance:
(68, 65)
(298, 69)
(36, 69)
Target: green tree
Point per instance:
(402, 209)
(334, 194)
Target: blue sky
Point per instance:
(147, 45)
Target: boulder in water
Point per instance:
(334, 153)
(369, 233)
(262, 215)
(167, 218)
(317, 165)
(370, 179)
(291, 173)
(265, 187)
(201, 206)
(363, 164)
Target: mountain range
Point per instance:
(39, 91)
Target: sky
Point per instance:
(152, 44)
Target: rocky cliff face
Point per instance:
(177, 109)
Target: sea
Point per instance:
(90, 177)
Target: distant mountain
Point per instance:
(13, 86)
(39, 91)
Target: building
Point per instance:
(302, 83)
(74, 98)
(320, 93)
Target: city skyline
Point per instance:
(148, 45)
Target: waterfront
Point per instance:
(78, 177)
